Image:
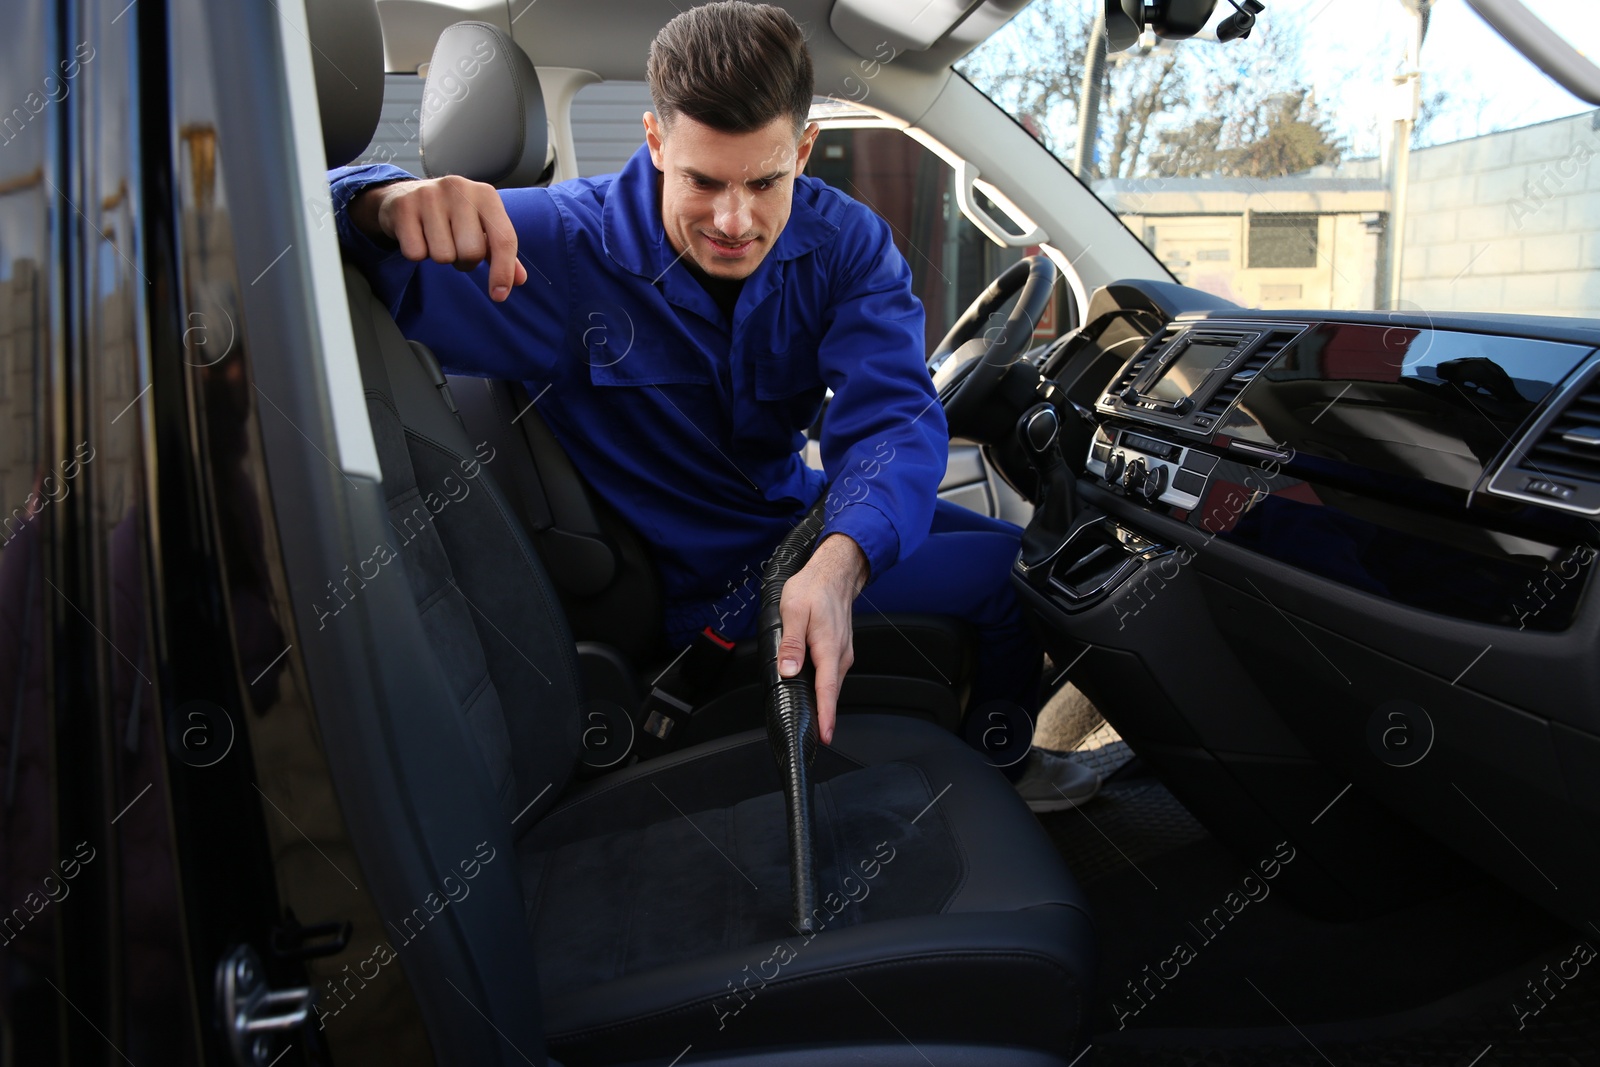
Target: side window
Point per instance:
(914, 191)
(398, 139)
(606, 125)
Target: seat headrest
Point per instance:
(347, 62)
(482, 109)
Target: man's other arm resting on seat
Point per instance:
(400, 231)
(884, 447)
(450, 220)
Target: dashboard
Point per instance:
(1405, 460)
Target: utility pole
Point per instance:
(1408, 102)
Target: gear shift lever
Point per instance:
(1039, 431)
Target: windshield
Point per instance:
(1266, 170)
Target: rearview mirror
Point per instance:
(1174, 20)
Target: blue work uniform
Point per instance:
(688, 423)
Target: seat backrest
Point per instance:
(472, 726)
(490, 131)
(601, 566)
(491, 615)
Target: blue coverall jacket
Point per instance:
(686, 423)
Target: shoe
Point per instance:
(1051, 782)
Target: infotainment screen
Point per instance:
(1189, 370)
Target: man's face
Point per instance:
(725, 197)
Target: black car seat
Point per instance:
(915, 663)
(656, 898)
(919, 664)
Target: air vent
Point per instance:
(1570, 448)
(1253, 364)
(1140, 362)
(1558, 462)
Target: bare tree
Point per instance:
(1192, 109)
(1142, 94)
(1034, 68)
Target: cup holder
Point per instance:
(1095, 559)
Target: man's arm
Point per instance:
(403, 232)
(450, 220)
(816, 607)
(885, 446)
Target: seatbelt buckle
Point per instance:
(702, 661)
(673, 699)
(662, 711)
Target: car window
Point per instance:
(398, 138)
(1266, 170)
(914, 191)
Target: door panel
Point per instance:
(33, 882)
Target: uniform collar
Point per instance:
(633, 236)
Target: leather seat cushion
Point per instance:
(659, 901)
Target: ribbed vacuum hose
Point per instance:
(792, 713)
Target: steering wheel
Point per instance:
(967, 365)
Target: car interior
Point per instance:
(1286, 557)
(1254, 752)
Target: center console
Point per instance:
(1155, 444)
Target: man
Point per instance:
(679, 325)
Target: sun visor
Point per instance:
(865, 26)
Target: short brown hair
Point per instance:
(732, 66)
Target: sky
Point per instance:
(1351, 45)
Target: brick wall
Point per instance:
(1507, 222)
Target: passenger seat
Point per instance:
(916, 664)
(657, 897)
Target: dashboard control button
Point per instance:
(1204, 462)
(1115, 466)
(1545, 487)
(1189, 482)
(1134, 476)
(1155, 482)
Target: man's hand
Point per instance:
(448, 220)
(816, 608)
